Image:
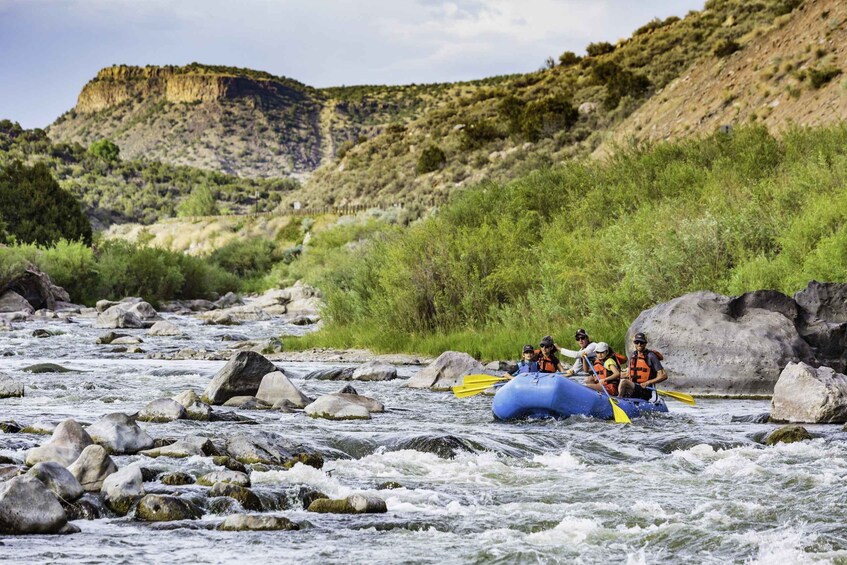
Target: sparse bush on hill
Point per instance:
(431, 159)
(725, 47)
(599, 48)
(619, 83)
(821, 76)
(105, 150)
(201, 202)
(478, 133)
(569, 59)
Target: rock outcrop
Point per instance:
(35, 288)
(715, 344)
(445, 372)
(241, 376)
(804, 394)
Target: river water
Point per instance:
(691, 486)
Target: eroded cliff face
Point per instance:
(115, 85)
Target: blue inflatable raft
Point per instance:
(548, 395)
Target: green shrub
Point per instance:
(821, 76)
(148, 272)
(105, 150)
(569, 59)
(478, 133)
(599, 48)
(72, 266)
(246, 257)
(431, 159)
(725, 48)
(201, 202)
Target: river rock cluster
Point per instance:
(74, 475)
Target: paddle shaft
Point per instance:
(617, 411)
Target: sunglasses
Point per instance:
(582, 337)
(640, 342)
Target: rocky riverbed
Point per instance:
(120, 451)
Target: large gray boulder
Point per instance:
(331, 374)
(119, 434)
(162, 410)
(92, 467)
(343, 406)
(164, 328)
(65, 445)
(36, 289)
(246, 497)
(10, 388)
(353, 504)
(58, 479)
(276, 386)
(446, 372)
(123, 488)
(375, 371)
(270, 449)
(27, 506)
(118, 317)
(715, 344)
(11, 301)
(804, 394)
(241, 376)
(186, 447)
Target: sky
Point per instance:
(50, 48)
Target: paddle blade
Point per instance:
(620, 415)
(681, 396)
(472, 380)
(466, 391)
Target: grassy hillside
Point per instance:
(592, 244)
(501, 131)
(135, 190)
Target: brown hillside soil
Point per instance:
(794, 72)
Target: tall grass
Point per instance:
(591, 244)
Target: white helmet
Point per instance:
(601, 347)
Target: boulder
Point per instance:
(241, 376)
(186, 447)
(375, 371)
(58, 479)
(305, 307)
(65, 445)
(108, 337)
(219, 318)
(246, 497)
(177, 478)
(36, 289)
(231, 477)
(103, 305)
(164, 328)
(118, 317)
(354, 504)
(272, 298)
(144, 311)
(247, 403)
(11, 301)
(502, 367)
(445, 372)
(164, 508)
(127, 340)
(276, 387)
(194, 407)
(332, 374)
(270, 449)
(824, 301)
(237, 314)
(9, 470)
(27, 506)
(806, 394)
(343, 406)
(445, 446)
(787, 434)
(119, 434)
(10, 388)
(227, 300)
(243, 522)
(229, 463)
(714, 344)
(122, 488)
(92, 467)
(162, 410)
(40, 368)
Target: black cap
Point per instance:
(580, 333)
(528, 348)
(640, 337)
(547, 341)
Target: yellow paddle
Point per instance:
(482, 379)
(465, 391)
(681, 396)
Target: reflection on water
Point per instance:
(693, 485)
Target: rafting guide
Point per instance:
(645, 370)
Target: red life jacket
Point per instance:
(602, 373)
(639, 370)
(547, 364)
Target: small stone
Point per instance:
(787, 434)
(162, 410)
(242, 522)
(164, 508)
(177, 479)
(229, 463)
(246, 497)
(354, 504)
(231, 477)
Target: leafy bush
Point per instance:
(599, 48)
(105, 150)
(34, 209)
(201, 202)
(619, 83)
(431, 159)
(246, 257)
(569, 59)
(478, 133)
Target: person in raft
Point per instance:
(645, 370)
(607, 368)
(584, 355)
(547, 360)
(527, 364)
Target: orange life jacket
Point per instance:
(602, 373)
(547, 364)
(639, 370)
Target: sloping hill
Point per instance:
(790, 73)
(237, 121)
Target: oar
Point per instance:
(617, 411)
(465, 391)
(482, 379)
(681, 396)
